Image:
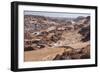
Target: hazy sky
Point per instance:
(55, 14)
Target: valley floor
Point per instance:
(50, 53)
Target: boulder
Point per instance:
(28, 48)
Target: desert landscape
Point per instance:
(56, 38)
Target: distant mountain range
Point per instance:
(40, 22)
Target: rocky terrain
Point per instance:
(52, 38)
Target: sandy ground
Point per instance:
(79, 45)
(42, 54)
(49, 53)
